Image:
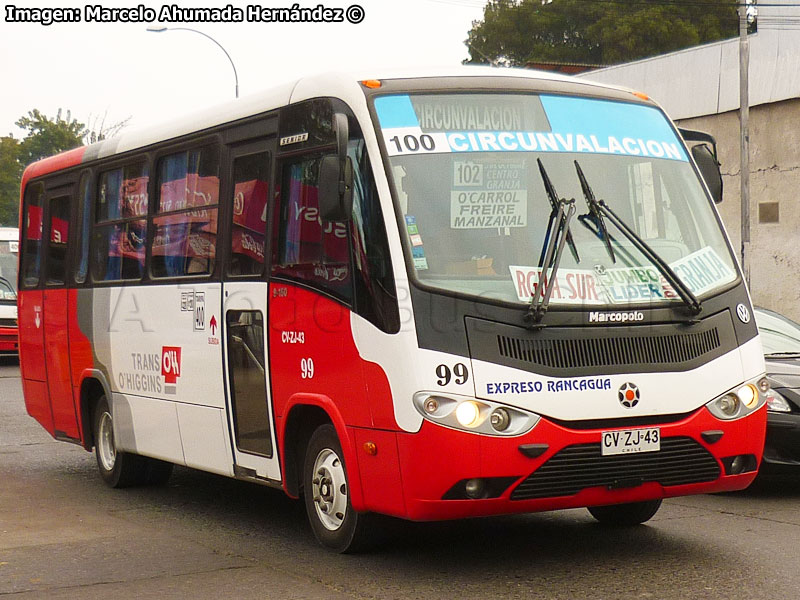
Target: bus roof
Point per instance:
(338, 84)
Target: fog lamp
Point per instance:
(475, 488)
(728, 404)
(431, 405)
(500, 419)
(763, 384)
(468, 413)
(738, 465)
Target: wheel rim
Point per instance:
(105, 442)
(329, 489)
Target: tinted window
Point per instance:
(84, 196)
(59, 236)
(307, 248)
(319, 253)
(32, 235)
(120, 233)
(307, 124)
(376, 299)
(185, 229)
(249, 215)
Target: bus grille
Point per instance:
(608, 351)
(8, 322)
(575, 351)
(680, 461)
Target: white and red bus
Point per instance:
(9, 251)
(334, 288)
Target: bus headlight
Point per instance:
(748, 394)
(738, 402)
(470, 414)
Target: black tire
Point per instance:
(325, 492)
(626, 515)
(117, 469)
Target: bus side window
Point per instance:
(59, 236)
(248, 231)
(32, 235)
(120, 231)
(306, 248)
(85, 211)
(376, 298)
(185, 230)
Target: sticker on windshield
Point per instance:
(572, 286)
(633, 284)
(417, 250)
(701, 271)
(488, 195)
(581, 125)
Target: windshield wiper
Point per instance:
(595, 215)
(553, 247)
(553, 197)
(603, 210)
(7, 283)
(786, 354)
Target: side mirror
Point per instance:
(705, 155)
(335, 182)
(709, 169)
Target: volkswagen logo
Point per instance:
(628, 395)
(743, 313)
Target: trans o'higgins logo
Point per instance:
(170, 367)
(634, 316)
(628, 395)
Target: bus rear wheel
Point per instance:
(326, 494)
(629, 514)
(122, 469)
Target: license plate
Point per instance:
(631, 441)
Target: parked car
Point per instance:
(780, 337)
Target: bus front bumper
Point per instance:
(440, 468)
(9, 340)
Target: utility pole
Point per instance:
(744, 116)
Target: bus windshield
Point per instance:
(475, 208)
(8, 275)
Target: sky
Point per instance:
(106, 72)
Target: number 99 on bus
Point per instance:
(306, 368)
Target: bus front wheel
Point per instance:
(326, 494)
(632, 513)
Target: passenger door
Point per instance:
(244, 323)
(55, 308)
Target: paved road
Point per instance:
(63, 534)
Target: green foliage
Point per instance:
(45, 137)
(48, 136)
(10, 175)
(516, 32)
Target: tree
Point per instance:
(48, 136)
(515, 32)
(97, 129)
(10, 175)
(45, 137)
